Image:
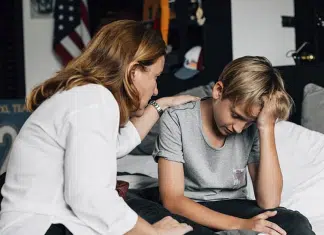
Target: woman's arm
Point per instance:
(135, 130)
(128, 138)
(145, 123)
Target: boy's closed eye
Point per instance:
(237, 116)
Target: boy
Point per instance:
(204, 148)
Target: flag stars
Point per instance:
(69, 16)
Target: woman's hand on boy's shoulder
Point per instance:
(167, 102)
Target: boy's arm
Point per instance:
(171, 184)
(266, 175)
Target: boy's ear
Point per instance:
(218, 90)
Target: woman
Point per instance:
(61, 174)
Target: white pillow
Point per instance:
(312, 116)
(301, 156)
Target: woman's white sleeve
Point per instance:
(127, 139)
(90, 170)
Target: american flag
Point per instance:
(71, 28)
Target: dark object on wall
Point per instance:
(288, 21)
(12, 82)
(302, 55)
(44, 6)
(103, 12)
(309, 25)
(217, 35)
(41, 9)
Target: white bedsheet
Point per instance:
(142, 164)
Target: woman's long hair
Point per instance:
(106, 61)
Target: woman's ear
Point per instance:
(131, 70)
(218, 90)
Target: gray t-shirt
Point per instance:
(210, 173)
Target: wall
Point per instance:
(40, 62)
(257, 30)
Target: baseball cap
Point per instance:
(192, 64)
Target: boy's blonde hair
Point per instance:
(248, 79)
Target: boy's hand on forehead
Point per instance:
(267, 117)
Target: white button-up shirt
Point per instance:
(63, 166)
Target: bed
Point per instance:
(300, 146)
(301, 154)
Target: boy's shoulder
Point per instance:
(183, 109)
(184, 113)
